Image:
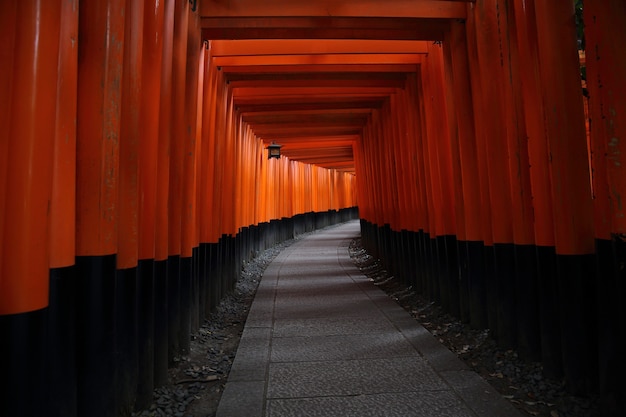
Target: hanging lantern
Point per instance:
(273, 151)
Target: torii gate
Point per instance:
(132, 148)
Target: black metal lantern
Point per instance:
(273, 151)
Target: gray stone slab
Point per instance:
(481, 397)
(242, 399)
(405, 404)
(328, 287)
(252, 357)
(327, 326)
(342, 308)
(341, 347)
(341, 378)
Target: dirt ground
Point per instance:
(196, 384)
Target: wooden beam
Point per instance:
(292, 69)
(328, 59)
(314, 47)
(306, 105)
(382, 28)
(325, 8)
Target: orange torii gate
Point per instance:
(134, 178)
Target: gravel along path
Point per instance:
(519, 381)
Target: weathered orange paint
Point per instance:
(62, 243)
(99, 98)
(493, 117)
(454, 130)
(519, 173)
(439, 145)
(28, 138)
(8, 19)
(164, 136)
(478, 106)
(604, 32)
(534, 117)
(149, 127)
(178, 130)
(461, 90)
(190, 144)
(128, 233)
(565, 126)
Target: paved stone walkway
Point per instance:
(322, 340)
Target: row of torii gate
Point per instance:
(134, 176)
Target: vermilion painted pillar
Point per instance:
(441, 175)
(61, 380)
(101, 51)
(28, 97)
(525, 285)
(176, 149)
(188, 145)
(489, 304)
(147, 183)
(427, 193)
(538, 154)
(471, 247)
(491, 119)
(162, 197)
(605, 61)
(421, 215)
(197, 306)
(126, 295)
(571, 192)
(147, 187)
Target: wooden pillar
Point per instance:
(604, 32)
(28, 97)
(491, 121)
(471, 246)
(61, 342)
(176, 149)
(538, 154)
(101, 51)
(161, 308)
(525, 279)
(147, 183)
(128, 238)
(186, 142)
(571, 192)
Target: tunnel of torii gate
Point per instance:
(486, 172)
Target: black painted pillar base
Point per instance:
(527, 303)
(452, 277)
(160, 323)
(186, 281)
(477, 284)
(95, 336)
(23, 364)
(549, 307)
(491, 285)
(196, 315)
(577, 289)
(611, 273)
(145, 334)
(126, 339)
(61, 342)
(432, 284)
(173, 308)
(464, 289)
(504, 256)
